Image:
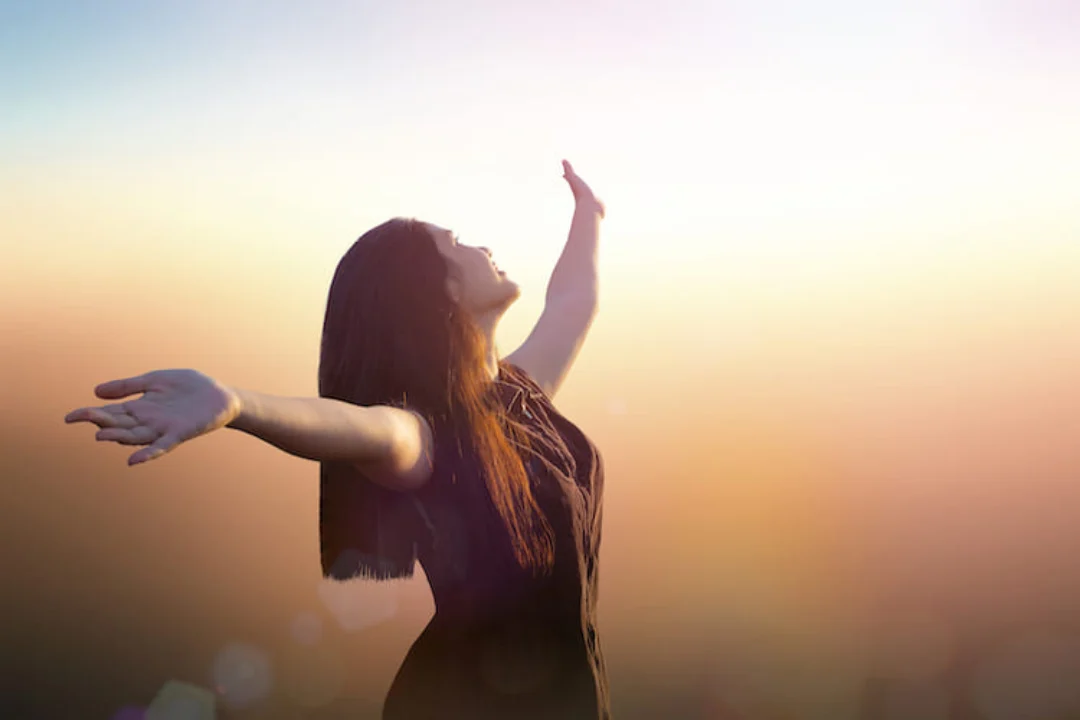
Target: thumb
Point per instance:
(114, 389)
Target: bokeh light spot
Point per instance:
(357, 604)
(617, 407)
(242, 673)
(181, 701)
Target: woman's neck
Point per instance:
(487, 323)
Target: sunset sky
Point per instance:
(839, 272)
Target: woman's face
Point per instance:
(475, 282)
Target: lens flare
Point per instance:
(242, 674)
(357, 605)
(181, 701)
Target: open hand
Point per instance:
(176, 406)
(583, 194)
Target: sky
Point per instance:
(838, 297)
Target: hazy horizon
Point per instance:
(834, 375)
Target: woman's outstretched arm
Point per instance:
(389, 445)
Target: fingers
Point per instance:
(80, 415)
(107, 416)
(122, 388)
(140, 435)
(568, 173)
(163, 445)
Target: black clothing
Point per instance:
(502, 643)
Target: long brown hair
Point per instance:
(393, 335)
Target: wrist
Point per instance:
(589, 206)
(240, 406)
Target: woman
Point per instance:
(431, 448)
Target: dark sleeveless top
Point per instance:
(502, 643)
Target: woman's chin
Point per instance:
(511, 291)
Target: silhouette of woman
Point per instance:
(432, 448)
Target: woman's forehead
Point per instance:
(444, 239)
(439, 232)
